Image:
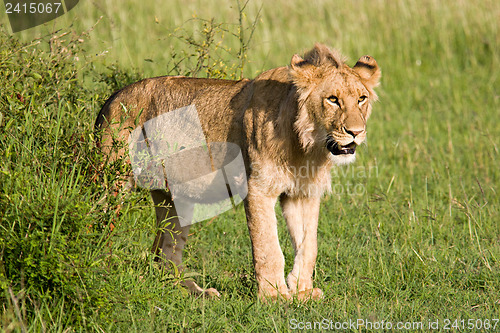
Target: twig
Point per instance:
(16, 309)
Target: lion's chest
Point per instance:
(304, 180)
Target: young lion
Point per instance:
(292, 124)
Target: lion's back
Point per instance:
(151, 97)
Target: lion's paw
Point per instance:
(211, 293)
(310, 294)
(272, 295)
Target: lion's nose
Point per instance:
(354, 133)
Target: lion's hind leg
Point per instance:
(171, 239)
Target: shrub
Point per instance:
(52, 216)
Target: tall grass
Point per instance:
(410, 232)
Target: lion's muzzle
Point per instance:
(337, 149)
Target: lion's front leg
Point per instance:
(268, 259)
(301, 215)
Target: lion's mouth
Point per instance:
(337, 149)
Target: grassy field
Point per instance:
(410, 234)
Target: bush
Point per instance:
(52, 216)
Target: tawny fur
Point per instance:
(281, 121)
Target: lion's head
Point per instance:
(334, 101)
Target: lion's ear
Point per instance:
(368, 70)
(302, 71)
(298, 62)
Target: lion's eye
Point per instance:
(333, 100)
(362, 99)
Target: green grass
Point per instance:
(411, 232)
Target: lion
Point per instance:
(308, 116)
